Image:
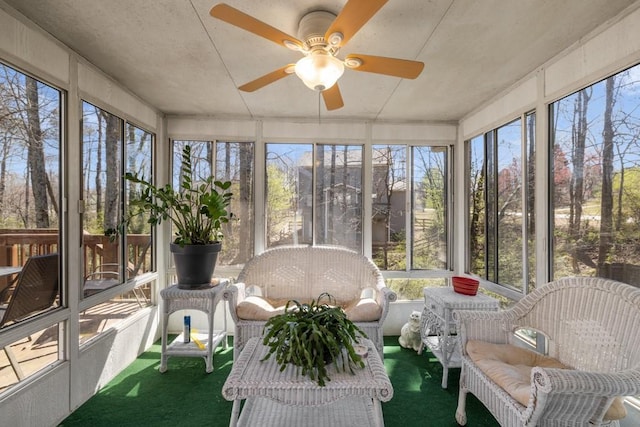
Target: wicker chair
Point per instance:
(592, 328)
(303, 273)
(36, 289)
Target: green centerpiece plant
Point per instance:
(312, 336)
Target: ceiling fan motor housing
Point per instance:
(313, 26)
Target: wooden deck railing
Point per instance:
(18, 245)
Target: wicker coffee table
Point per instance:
(286, 398)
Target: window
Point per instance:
(232, 161)
(596, 180)
(314, 194)
(500, 204)
(102, 135)
(429, 196)
(103, 156)
(138, 234)
(110, 147)
(425, 246)
(30, 183)
(410, 215)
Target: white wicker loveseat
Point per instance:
(302, 273)
(592, 326)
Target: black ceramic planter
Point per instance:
(195, 264)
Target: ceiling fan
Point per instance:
(321, 34)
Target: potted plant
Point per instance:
(197, 210)
(312, 336)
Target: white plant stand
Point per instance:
(205, 300)
(438, 328)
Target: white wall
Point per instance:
(301, 130)
(50, 395)
(607, 50)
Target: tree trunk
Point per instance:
(606, 210)
(320, 200)
(113, 166)
(3, 173)
(388, 185)
(245, 198)
(35, 156)
(531, 177)
(98, 179)
(331, 199)
(576, 189)
(620, 193)
(477, 227)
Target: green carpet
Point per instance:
(187, 396)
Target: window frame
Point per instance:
(490, 144)
(125, 284)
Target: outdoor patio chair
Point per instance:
(103, 278)
(36, 289)
(107, 276)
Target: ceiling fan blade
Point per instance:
(240, 19)
(261, 82)
(352, 17)
(332, 98)
(389, 66)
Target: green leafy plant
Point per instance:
(197, 210)
(311, 336)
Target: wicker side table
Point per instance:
(204, 300)
(438, 327)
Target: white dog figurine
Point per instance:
(410, 333)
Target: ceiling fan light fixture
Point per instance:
(319, 70)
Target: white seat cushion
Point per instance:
(510, 367)
(259, 308)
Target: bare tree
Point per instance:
(35, 155)
(113, 130)
(384, 196)
(606, 210)
(98, 150)
(245, 198)
(320, 227)
(576, 188)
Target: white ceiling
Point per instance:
(174, 55)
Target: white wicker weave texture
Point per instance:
(303, 273)
(284, 398)
(592, 325)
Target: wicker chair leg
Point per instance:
(461, 413)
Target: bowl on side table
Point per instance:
(465, 285)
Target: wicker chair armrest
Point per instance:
(585, 395)
(569, 381)
(234, 294)
(386, 295)
(482, 325)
